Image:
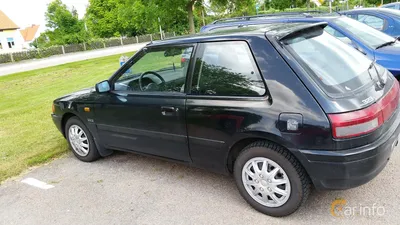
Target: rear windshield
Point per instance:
(337, 67)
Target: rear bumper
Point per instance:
(350, 168)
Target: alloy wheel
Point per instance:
(79, 140)
(266, 182)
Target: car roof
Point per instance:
(279, 19)
(393, 3)
(278, 30)
(308, 14)
(384, 10)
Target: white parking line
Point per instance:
(37, 183)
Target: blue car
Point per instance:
(385, 20)
(378, 46)
(394, 5)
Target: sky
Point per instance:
(27, 12)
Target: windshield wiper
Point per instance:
(386, 44)
(381, 83)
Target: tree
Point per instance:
(64, 26)
(189, 8)
(102, 18)
(143, 15)
(281, 4)
(107, 18)
(234, 7)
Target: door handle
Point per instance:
(168, 110)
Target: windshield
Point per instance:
(368, 35)
(337, 67)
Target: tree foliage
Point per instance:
(64, 26)
(235, 7)
(281, 4)
(107, 18)
(102, 18)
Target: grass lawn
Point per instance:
(27, 134)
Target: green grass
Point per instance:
(27, 134)
(148, 62)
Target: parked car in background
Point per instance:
(378, 46)
(280, 107)
(185, 57)
(385, 20)
(394, 5)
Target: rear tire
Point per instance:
(80, 140)
(270, 179)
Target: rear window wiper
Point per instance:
(386, 44)
(381, 82)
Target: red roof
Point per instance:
(29, 33)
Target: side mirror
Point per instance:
(103, 87)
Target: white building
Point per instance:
(11, 39)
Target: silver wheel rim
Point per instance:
(79, 140)
(266, 182)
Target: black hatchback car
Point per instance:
(280, 106)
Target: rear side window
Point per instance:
(371, 21)
(226, 69)
(337, 67)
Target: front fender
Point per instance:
(70, 109)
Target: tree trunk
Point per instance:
(190, 15)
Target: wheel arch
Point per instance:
(237, 147)
(100, 147)
(66, 116)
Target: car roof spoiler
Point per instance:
(302, 28)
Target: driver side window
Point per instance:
(157, 70)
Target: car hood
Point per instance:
(82, 95)
(389, 57)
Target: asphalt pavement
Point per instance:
(130, 189)
(10, 68)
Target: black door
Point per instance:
(227, 96)
(145, 111)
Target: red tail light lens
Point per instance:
(353, 124)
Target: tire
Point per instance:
(74, 128)
(295, 184)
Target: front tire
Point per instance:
(270, 179)
(80, 140)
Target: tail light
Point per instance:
(183, 60)
(53, 108)
(356, 123)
